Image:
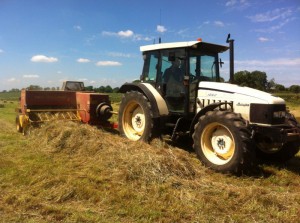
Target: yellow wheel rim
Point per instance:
(217, 143)
(133, 121)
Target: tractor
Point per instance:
(180, 92)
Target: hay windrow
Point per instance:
(130, 160)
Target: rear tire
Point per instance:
(136, 117)
(222, 142)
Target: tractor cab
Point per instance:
(175, 70)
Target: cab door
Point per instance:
(151, 69)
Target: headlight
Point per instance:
(279, 114)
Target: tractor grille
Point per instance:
(267, 113)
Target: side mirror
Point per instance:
(221, 62)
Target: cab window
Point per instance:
(150, 66)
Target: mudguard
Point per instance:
(158, 104)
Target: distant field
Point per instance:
(291, 98)
(12, 96)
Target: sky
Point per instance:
(97, 41)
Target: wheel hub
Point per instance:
(221, 142)
(138, 120)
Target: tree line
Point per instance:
(259, 80)
(255, 79)
(101, 89)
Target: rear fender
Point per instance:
(158, 104)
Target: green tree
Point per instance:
(279, 87)
(89, 88)
(14, 90)
(256, 79)
(116, 90)
(294, 88)
(108, 89)
(242, 78)
(101, 89)
(271, 84)
(34, 87)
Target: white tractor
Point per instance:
(180, 93)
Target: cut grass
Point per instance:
(67, 172)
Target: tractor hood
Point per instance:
(242, 94)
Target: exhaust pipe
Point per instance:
(231, 58)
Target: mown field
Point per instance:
(67, 172)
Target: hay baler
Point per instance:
(37, 107)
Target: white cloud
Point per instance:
(118, 54)
(263, 39)
(43, 59)
(83, 60)
(231, 3)
(92, 82)
(280, 13)
(108, 33)
(139, 37)
(78, 28)
(108, 63)
(82, 79)
(274, 62)
(12, 79)
(275, 19)
(237, 4)
(161, 29)
(31, 76)
(1, 51)
(125, 34)
(275, 27)
(219, 24)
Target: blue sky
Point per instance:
(46, 42)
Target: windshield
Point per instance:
(204, 67)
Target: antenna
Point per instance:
(159, 38)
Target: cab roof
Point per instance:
(190, 44)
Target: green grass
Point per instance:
(10, 96)
(66, 172)
(292, 99)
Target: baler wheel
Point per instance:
(18, 124)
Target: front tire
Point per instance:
(222, 142)
(136, 117)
